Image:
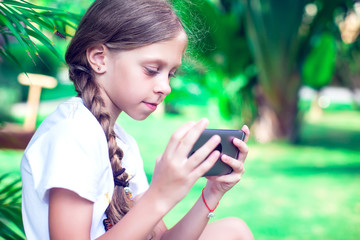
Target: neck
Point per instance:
(110, 108)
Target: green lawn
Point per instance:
(304, 191)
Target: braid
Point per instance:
(120, 203)
(88, 90)
(120, 25)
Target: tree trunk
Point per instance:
(273, 32)
(278, 113)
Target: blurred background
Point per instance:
(290, 70)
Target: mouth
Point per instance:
(151, 106)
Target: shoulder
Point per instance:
(71, 119)
(74, 114)
(71, 127)
(71, 143)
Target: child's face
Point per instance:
(136, 81)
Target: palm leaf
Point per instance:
(32, 31)
(11, 226)
(18, 31)
(10, 187)
(8, 233)
(26, 4)
(4, 20)
(10, 57)
(27, 22)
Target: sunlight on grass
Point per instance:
(293, 192)
(336, 119)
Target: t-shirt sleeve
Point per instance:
(69, 156)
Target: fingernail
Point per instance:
(192, 123)
(236, 141)
(215, 139)
(224, 158)
(204, 121)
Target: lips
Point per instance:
(151, 106)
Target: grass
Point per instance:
(304, 191)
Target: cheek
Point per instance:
(126, 87)
(129, 79)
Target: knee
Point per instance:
(237, 229)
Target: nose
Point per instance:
(162, 85)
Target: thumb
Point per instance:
(158, 159)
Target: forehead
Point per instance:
(169, 51)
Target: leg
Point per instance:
(228, 228)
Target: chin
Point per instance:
(138, 117)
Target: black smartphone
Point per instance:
(225, 147)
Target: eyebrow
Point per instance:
(161, 62)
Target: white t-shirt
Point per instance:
(69, 150)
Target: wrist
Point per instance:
(159, 204)
(213, 191)
(210, 209)
(210, 199)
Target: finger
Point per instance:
(177, 137)
(191, 136)
(204, 151)
(205, 165)
(229, 179)
(243, 149)
(158, 159)
(236, 165)
(246, 129)
(233, 177)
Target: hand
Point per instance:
(222, 184)
(175, 173)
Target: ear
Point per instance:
(96, 57)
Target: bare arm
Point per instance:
(70, 215)
(67, 210)
(194, 222)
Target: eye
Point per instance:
(151, 71)
(172, 74)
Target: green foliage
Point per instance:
(27, 22)
(11, 226)
(272, 28)
(28, 34)
(319, 66)
(222, 65)
(290, 40)
(8, 96)
(46, 63)
(77, 7)
(227, 91)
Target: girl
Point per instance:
(83, 176)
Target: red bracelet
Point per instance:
(211, 211)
